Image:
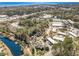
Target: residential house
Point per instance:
(57, 25)
(51, 40)
(59, 37)
(4, 17)
(73, 32)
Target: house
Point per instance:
(51, 40)
(70, 21)
(62, 33)
(15, 17)
(46, 16)
(56, 20)
(73, 32)
(3, 17)
(62, 8)
(59, 37)
(60, 23)
(56, 25)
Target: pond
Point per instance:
(14, 48)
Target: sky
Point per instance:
(32, 3)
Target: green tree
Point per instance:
(68, 46)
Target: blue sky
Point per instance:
(21, 3)
(31, 3)
(26, 3)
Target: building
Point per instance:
(57, 25)
(15, 17)
(60, 23)
(59, 37)
(51, 40)
(73, 32)
(62, 33)
(46, 16)
(3, 17)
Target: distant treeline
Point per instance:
(61, 11)
(21, 10)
